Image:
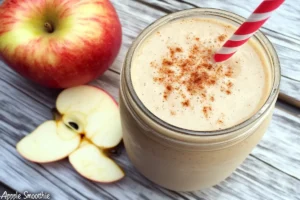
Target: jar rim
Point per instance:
(259, 36)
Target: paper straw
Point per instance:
(247, 29)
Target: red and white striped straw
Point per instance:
(247, 29)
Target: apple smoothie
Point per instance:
(175, 77)
(189, 122)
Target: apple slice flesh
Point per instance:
(104, 129)
(49, 142)
(85, 99)
(94, 112)
(92, 163)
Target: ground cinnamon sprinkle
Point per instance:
(169, 87)
(172, 52)
(222, 37)
(173, 112)
(207, 66)
(220, 121)
(167, 92)
(165, 95)
(206, 110)
(153, 64)
(189, 73)
(167, 62)
(229, 84)
(178, 49)
(186, 103)
(229, 72)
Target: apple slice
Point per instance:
(82, 110)
(104, 129)
(93, 113)
(92, 163)
(49, 142)
(84, 99)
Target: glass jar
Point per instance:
(186, 160)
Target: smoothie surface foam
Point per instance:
(175, 77)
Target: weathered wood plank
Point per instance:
(280, 145)
(24, 105)
(290, 91)
(270, 172)
(136, 15)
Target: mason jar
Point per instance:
(186, 160)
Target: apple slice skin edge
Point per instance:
(71, 157)
(112, 98)
(44, 162)
(96, 181)
(108, 148)
(19, 147)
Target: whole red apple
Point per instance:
(59, 43)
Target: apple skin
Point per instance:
(86, 39)
(91, 153)
(36, 146)
(108, 94)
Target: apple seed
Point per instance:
(74, 125)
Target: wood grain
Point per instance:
(271, 171)
(290, 91)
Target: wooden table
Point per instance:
(271, 171)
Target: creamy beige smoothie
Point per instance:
(174, 75)
(189, 122)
